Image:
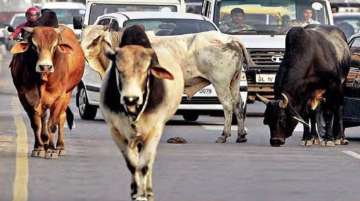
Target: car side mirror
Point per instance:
(78, 22)
(10, 29)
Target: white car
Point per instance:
(162, 24)
(65, 12)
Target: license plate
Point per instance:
(265, 78)
(207, 91)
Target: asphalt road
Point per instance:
(94, 170)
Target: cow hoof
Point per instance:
(241, 139)
(51, 154)
(307, 143)
(341, 142)
(141, 198)
(61, 152)
(38, 153)
(328, 143)
(316, 141)
(221, 139)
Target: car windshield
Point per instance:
(167, 27)
(349, 25)
(18, 20)
(269, 17)
(65, 16)
(100, 9)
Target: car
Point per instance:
(268, 23)
(161, 23)
(96, 8)
(65, 12)
(349, 23)
(352, 86)
(16, 20)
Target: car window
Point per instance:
(166, 27)
(355, 43)
(65, 16)
(105, 21)
(97, 10)
(18, 20)
(114, 25)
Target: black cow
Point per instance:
(315, 65)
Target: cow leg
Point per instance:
(60, 145)
(238, 109)
(307, 138)
(225, 98)
(313, 123)
(339, 127)
(44, 130)
(329, 122)
(35, 120)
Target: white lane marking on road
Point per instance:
(352, 154)
(20, 187)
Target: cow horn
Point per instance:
(301, 120)
(284, 102)
(263, 99)
(28, 29)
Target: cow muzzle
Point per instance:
(277, 142)
(132, 104)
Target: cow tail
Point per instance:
(69, 117)
(246, 59)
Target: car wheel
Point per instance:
(190, 117)
(86, 111)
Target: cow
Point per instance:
(206, 58)
(141, 91)
(315, 65)
(45, 69)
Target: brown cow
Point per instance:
(45, 70)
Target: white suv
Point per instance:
(204, 102)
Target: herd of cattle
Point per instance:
(144, 77)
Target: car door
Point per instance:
(352, 87)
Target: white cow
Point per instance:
(138, 96)
(205, 58)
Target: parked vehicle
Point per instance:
(346, 6)
(65, 12)
(349, 23)
(96, 8)
(265, 41)
(163, 24)
(352, 86)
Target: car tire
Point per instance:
(86, 111)
(190, 117)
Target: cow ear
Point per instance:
(161, 73)
(19, 47)
(65, 48)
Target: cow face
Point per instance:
(45, 41)
(279, 119)
(134, 66)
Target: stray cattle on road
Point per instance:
(45, 69)
(205, 58)
(315, 65)
(138, 96)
